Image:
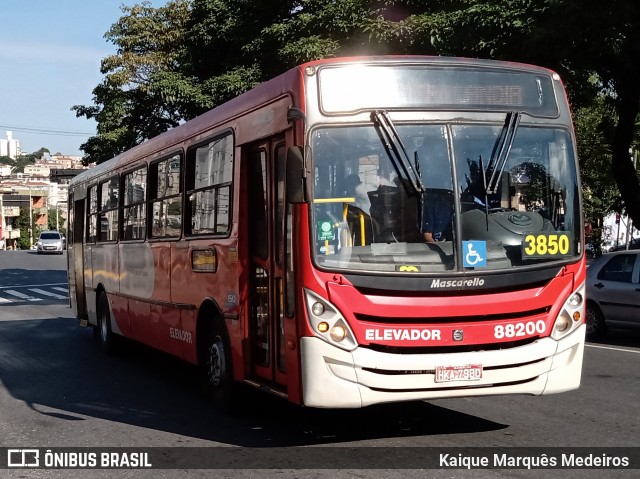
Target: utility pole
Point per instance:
(629, 231)
(30, 221)
(2, 225)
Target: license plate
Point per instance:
(469, 372)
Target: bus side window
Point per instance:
(133, 208)
(209, 179)
(108, 216)
(165, 180)
(92, 215)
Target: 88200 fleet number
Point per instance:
(519, 330)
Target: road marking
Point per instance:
(32, 285)
(614, 349)
(18, 296)
(47, 293)
(25, 297)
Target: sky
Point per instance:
(50, 53)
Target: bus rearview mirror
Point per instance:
(295, 175)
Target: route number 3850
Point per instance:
(537, 245)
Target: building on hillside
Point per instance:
(42, 196)
(5, 170)
(47, 164)
(9, 210)
(54, 187)
(10, 147)
(66, 161)
(37, 169)
(64, 176)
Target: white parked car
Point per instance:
(50, 242)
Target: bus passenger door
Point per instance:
(75, 257)
(265, 211)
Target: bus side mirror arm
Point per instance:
(296, 175)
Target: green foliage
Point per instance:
(54, 220)
(593, 129)
(24, 160)
(22, 222)
(7, 160)
(177, 61)
(128, 105)
(583, 41)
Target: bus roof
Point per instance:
(288, 83)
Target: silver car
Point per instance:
(50, 242)
(613, 292)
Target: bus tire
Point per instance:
(103, 331)
(217, 373)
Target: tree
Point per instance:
(132, 103)
(24, 225)
(579, 39)
(604, 38)
(177, 61)
(7, 160)
(600, 193)
(53, 219)
(38, 154)
(22, 161)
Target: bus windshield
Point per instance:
(462, 197)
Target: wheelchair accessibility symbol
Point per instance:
(474, 254)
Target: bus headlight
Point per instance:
(562, 323)
(571, 315)
(317, 309)
(328, 323)
(575, 299)
(338, 333)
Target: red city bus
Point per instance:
(354, 231)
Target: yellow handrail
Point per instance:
(347, 199)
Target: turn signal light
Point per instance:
(323, 327)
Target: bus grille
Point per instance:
(453, 319)
(467, 348)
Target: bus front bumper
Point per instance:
(334, 378)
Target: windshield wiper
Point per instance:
(507, 136)
(398, 153)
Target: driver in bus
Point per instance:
(354, 187)
(437, 200)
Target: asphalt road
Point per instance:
(58, 390)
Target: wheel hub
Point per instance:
(216, 363)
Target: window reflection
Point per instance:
(366, 216)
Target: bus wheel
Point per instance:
(103, 331)
(217, 378)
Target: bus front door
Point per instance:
(75, 257)
(265, 209)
